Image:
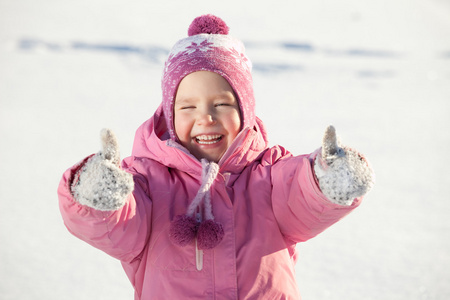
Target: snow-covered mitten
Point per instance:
(343, 173)
(100, 183)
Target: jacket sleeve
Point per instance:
(301, 209)
(121, 233)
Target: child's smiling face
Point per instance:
(206, 115)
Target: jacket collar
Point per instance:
(152, 141)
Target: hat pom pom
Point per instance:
(209, 235)
(183, 230)
(208, 24)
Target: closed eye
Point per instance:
(187, 107)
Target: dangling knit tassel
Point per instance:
(184, 228)
(210, 233)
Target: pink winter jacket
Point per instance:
(266, 199)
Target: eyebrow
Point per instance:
(182, 100)
(225, 94)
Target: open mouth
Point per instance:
(208, 139)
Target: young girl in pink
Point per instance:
(203, 208)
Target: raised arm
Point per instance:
(104, 205)
(312, 192)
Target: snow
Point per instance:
(379, 71)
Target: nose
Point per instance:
(205, 117)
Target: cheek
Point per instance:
(234, 124)
(181, 125)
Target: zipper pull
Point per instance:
(198, 257)
(198, 252)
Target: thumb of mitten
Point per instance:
(110, 146)
(330, 146)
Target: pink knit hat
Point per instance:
(209, 48)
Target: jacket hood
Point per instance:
(152, 140)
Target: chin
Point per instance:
(212, 158)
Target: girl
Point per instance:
(203, 209)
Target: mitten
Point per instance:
(100, 183)
(342, 172)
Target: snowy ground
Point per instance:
(378, 70)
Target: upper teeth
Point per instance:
(208, 139)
